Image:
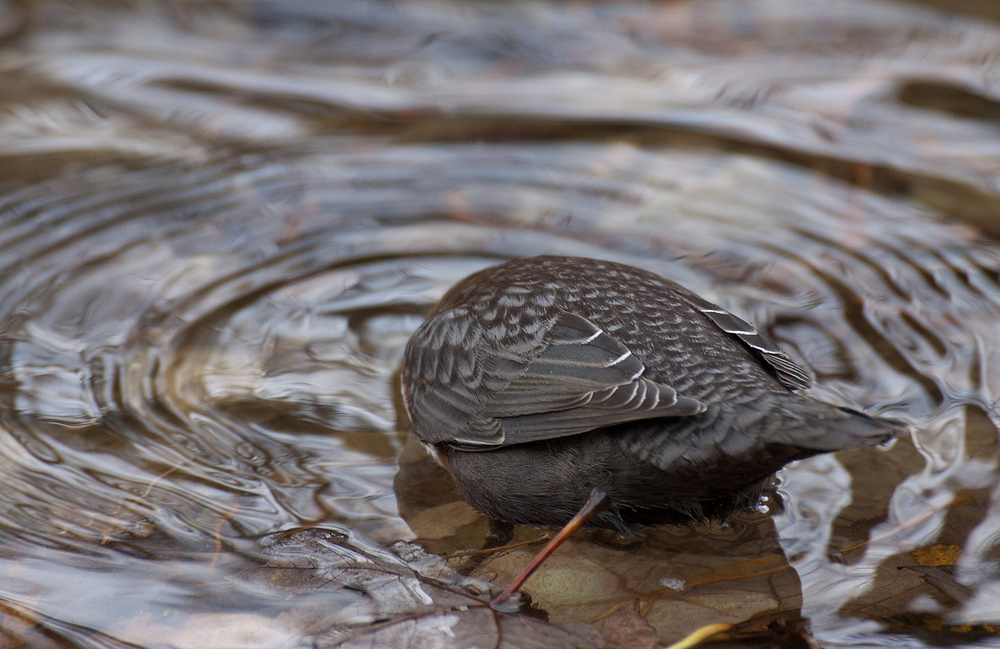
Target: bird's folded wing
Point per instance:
(468, 391)
(785, 369)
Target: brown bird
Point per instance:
(544, 380)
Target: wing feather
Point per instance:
(461, 388)
(785, 369)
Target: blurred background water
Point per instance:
(221, 221)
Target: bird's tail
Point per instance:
(817, 426)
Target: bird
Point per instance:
(542, 381)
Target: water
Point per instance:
(220, 223)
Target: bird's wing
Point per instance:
(464, 389)
(784, 368)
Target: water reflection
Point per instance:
(220, 223)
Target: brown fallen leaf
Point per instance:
(937, 555)
(625, 628)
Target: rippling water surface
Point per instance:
(220, 222)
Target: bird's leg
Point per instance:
(499, 534)
(596, 503)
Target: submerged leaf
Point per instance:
(402, 597)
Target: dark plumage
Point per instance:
(541, 379)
